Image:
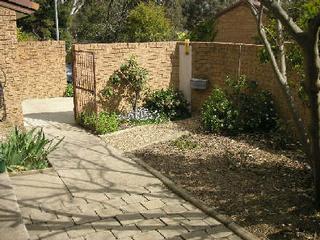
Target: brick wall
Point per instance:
(42, 68)
(160, 59)
(29, 69)
(214, 61)
(237, 25)
(9, 76)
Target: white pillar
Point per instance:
(185, 72)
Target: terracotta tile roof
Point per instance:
(21, 6)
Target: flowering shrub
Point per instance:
(140, 114)
(241, 108)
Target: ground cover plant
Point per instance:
(105, 122)
(141, 116)
(27, 150)
(100, 123)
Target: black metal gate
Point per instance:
(84, 83)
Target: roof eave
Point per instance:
(24, 7)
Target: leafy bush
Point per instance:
(27, 150)
(130, 76)
(147, 22)
(240, 108)
(218, 113)
(69, 90)
(169, 103)
(101, 123)
(24, 36)
(204, 31)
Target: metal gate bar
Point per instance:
(84, 83)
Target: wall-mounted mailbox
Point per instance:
(199, 84)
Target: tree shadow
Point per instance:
(66, 117)
(96, 189)
(276, 197)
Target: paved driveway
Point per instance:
(95, 192)
(48, 112)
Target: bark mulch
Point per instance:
(267, 191)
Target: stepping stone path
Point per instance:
(94, 193)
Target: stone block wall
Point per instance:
(9, 76)
(161, 59)
(27, 70)
(42, 68)
(215, 61)
(210, 60)
(237, 25)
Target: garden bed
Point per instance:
(267, 191)
(25, 151)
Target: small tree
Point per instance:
(132, 77)
(308, 41)
(148, 23)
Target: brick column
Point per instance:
(13, 85)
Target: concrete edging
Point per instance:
(225, 220)
(31, 172)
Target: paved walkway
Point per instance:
(97, 193)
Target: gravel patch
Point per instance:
(267, 191)
(140, 137)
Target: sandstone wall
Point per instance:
(159, 58)
(215, 61)
(42, 68)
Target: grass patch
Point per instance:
(184, 143)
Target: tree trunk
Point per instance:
(312, 70)
(309, 42)
(135, 104)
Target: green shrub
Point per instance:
(170, 103)
(27, 150)
(218, 113)
(130, 76)
(241, 108)
(147, 22)
(69, 90)
(24, 36)
(102, 123)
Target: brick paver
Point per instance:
(97, 193)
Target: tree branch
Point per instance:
(303, 136)
(295, 31)
(314, 25)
